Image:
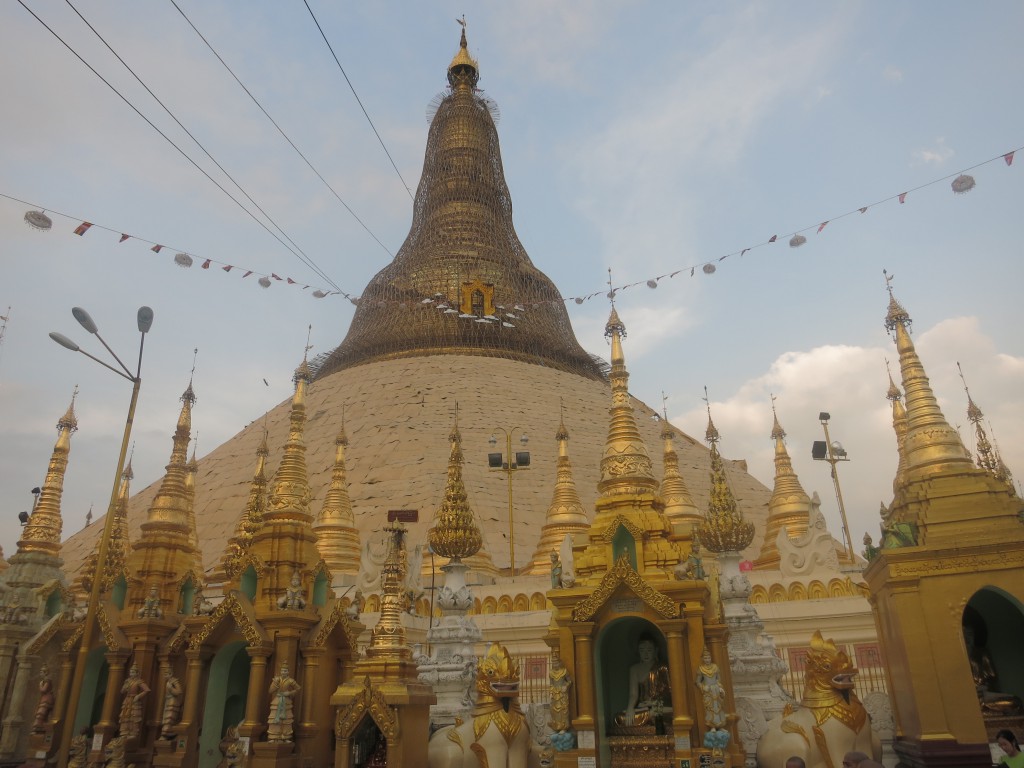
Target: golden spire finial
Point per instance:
(711, 433)
(387, 640)
(463, 71)
(899, 426)
(455, 534)
(290, 494)
(251, 520)
(987, 458)
(679, 506)
(42, 533)
(932, 445)
(566, 515)
(192, 469)
(723, 528)
(894, 393)
(789, 507)
(625, 465)
(337, 537)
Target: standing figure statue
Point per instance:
(650, 691)
(46, 701)
(292, 599)
(134, 691)
(709, 682)
(560, 684)
(282, 690)
(693, 568)
(173, 694)
(556, 571)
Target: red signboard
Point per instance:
(403, 515)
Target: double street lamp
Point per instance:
(509, 463)
(833, 453)
(145, 322)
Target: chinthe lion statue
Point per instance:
(830, 720)
(115, 752)
(497, 735)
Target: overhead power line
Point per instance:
(358, 100)
(280, 129)
(157, 129)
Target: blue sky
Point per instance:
(644, 137)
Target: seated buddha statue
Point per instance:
(993, 701)
(650, 692)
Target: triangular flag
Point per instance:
(227, 268)
(206, 264)
(903, 198)
(123, 238)
(290, 281)
(247, 274)
(724, 257)
(821, 226)
(743, 252)
(691, 271)
(1008, 157)
(156, 248)
(274, 276)
(863, 210)
(82, 228)
(773, 238)
(675, 273)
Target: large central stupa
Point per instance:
(461, 316)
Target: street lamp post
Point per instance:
(509, 463)
(833, 453)
(145, 322)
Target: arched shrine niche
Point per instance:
(616, 651)
(993, 625)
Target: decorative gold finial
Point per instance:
(896, 314)
(894, 393)
(987, 458)
(387, 639)
(251, 520)
(711, 433)
(679, 506)
(337, 537)
(455, 534)
(723, 528)
(789, 507)
(463, 71)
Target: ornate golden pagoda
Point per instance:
(723, 528)
(789, 508)
(336, 535)
(462, 283)
(42, 533)
(679, 507)
(565, 516)
(232, 561)
(950, 561)
(164, 553)
(285, 542)
(119, 547)
(385, 694)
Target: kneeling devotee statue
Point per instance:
(650, 692)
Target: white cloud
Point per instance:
(935, 155)
(850, 383)
(892, 74)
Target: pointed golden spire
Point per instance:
(119, 547)
(625, 465)
(251, 520)
(387, 640)
(289, 493)
(337, 537)
(455, 534)
(164, 551)
(723, 528)
(42, 533)
(899, 425)
(986, 459)
(191, 470)
(463, 71)
(789, 508)
(565, 515)
(932, 445)
(679, 506)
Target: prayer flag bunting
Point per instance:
(1008, 157)
(82, 228)
(156, 248)
(903, 198)
(123, 237)
(773, 238)
(227, 267)
(821, 226)
(206, 264)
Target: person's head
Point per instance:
(1007, 742)
(854, 759)
(796, 762)
(647, 649)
